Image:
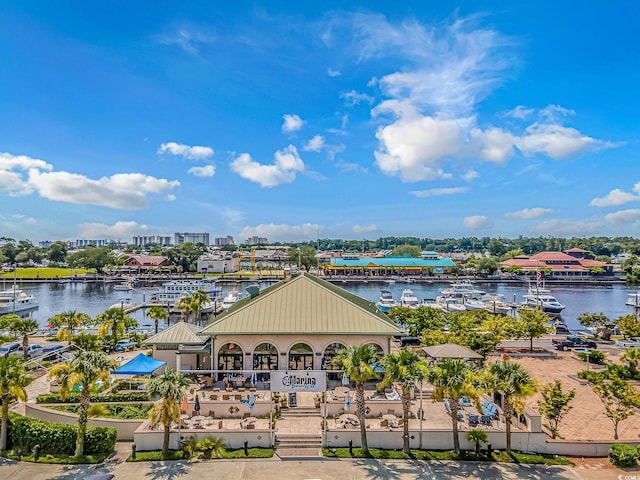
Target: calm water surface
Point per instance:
(96, 298)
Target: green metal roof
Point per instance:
(303, 305)
(390, 262)
(179, 334)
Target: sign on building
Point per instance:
(299, 381)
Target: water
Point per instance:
(96, 298)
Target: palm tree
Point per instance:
(115, 321)
(357, 362)
(170, 387)
(185, 305)
(19, 327)
(67, 322)
(515, 384)
(13, 379)
(453, 378)
(632, 357)
(199, 299)
(157, 313)
(477, 437)
(407, 368)
(85, 369)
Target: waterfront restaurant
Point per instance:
(429, 262)
(297, 324)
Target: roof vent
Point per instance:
(253, 290)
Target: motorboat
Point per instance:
(16, 300)
(473, 301)
(633, 299)
(450, 304)
(386, 301)
(460, 288)
(124, 287)
(408, 299)
(541, 298)
(230, 298)
(124, 304)
(495, 303)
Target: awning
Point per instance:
(140, 365)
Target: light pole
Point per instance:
(421, 414)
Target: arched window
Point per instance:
(230, 357)
(329, 354)
(265, 357)
(301, 357)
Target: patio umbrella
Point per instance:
(254, 379)
(347, 402)
(252, 402)
(345, 379)
(185, 405)
(196, 406)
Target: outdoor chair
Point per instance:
(384, 423)
(194, 413)
(400, 422)
(238, 397)
(213, 397)
(251, 426)
(473, 419)
(220, 426)
(225, 397)
(485, 419)
(212, 414)
(247, 414)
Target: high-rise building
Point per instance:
(255, 240)
(222, 241)
(142, 240)
(182, 237)
(95, 243)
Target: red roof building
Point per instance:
(146, 261)
(559, 264)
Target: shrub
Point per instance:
(57, 438)
(623, 455)
(595, 356)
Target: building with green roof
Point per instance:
(389, 265)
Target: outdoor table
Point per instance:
(349, 418)
(392, 419)
(198, 419)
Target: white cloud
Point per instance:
(360, 229)
(206, 171)
(476, 222)
(433, 192)
(188, 39)
(189, 152)
(470, 175)
(529, 213)
(22, 162)
(292, 123)
(494, 144)
(283, 232)
(333, 73)
(623, 216)
(315, 144)
(557, 141)
(12, 181)
(127, 191)
(615, 197)
(350, 167)
(566, 228)
(287, 163)
(356, 98)
(118, 231)
(520, 112)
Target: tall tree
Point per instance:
(532, 324)
(114, 323)
(555, 404)
(619, 398)
(170, 386)
(357, 362)
(515, 384)
(157, 313)
(632, 357)
(20, 327)
(13, 381)
(407, 368)
(453, 378)
(85, 369)
(67, 322)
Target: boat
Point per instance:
(124, 287)
(495, 303)
(230, 298)
(541, 298)
(460, 288)
(172, 291)
(386, 301)
(633, 299)
(449, 304)
(16, 300)
(408, 299)
(124, 304)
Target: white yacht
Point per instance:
(16, 300)
(408, 299)
(386, 301)
(124, 304)
(230, 298)
(172, 291)
(537, 297)
(460, 288)
(633, 299)
(450, 304)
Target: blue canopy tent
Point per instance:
(140, 365)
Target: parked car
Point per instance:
(573, 341)
(124, 345)
(9, 349)
(51, 352)
(34, 350)
(628, 343)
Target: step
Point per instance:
(311, 452)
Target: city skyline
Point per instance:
(293, 122)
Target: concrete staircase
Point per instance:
(300, 445)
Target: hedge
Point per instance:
(623, 455)
(108, 398)
(57, 438)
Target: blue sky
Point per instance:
(290, 120)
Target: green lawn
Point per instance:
(156, 455)
(43, 272)
(57, 459)
(449, 455)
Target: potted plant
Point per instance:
(317, 400)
